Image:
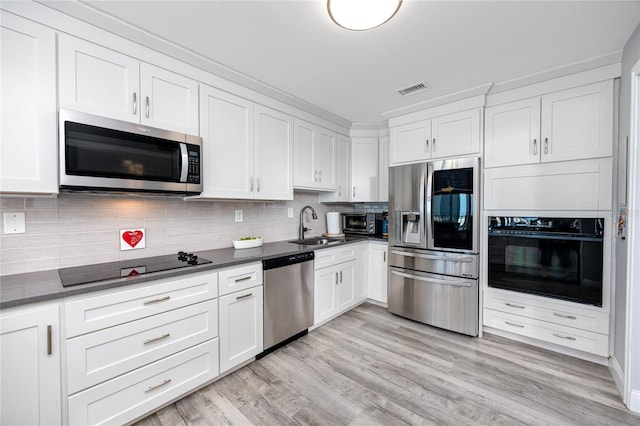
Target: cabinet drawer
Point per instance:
(141, 391)
(102, 355)
(329, 257)
(240, 278)
(112, 307)
(585, 341)
(597, 322)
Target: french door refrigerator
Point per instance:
(433, 243)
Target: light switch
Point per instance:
(238, 215)
(14, 223)
(290, 212)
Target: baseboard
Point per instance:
(617, 373)
(377, 302)
(549, 346)
(634, 401)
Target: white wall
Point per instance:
(625, 350)
(77, 230)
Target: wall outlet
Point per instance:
(14, 223)
(238, 215)
(290, 212)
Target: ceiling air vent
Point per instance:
(412, 90)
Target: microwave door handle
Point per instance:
(184, 170)
(432, 280)
(434, 257)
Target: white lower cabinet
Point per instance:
(130, 350)
(337, 282)
(30, 391)
(378, 261)
(241, 321)
(133, 395)
(562, 323)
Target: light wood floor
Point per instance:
(369, 367)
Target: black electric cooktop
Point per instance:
(127, 268)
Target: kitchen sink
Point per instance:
(317, 241)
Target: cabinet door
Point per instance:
(273, 154)
(169, 101)
(362, 272)
(97, 80)
(240, 327)
(383, 169)
(364, 169)
(456, 134)
(578, 123)
(347, 286)
(28, 94)
(343, 173)
(226, 123)
(512, 133)
(378, 267)
(325, 297)
(30, 392)
(410, 143)
(326, 158)
(305, 173)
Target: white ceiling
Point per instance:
(451, 45)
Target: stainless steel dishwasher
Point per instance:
(288, 299)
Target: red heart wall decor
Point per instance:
(132, 237)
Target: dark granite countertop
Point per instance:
(32, 287)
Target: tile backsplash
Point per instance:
(76, 230)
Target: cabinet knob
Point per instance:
(49, 340)
(426, 144)
(535, 147)
(354, 192)
(147, 106)
(546, 146)
(251, 184)
(258, 184)
(433, 145)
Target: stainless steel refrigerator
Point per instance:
(433, 243)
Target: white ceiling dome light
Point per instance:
(360, 15)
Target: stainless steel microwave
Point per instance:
(99, 154)
(362, 223)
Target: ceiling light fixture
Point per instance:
(360, 15)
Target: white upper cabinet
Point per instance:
(314, 157)
(343, 173)
(273, 154)
(570, 124)
(443, 136)
(364, 169)
(411, 142)
(169, 100)
(512, 133)
(104, 82)
(247, 148)
(28, 97)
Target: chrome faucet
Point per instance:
(314, 216)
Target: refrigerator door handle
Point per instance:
(434, 257)
(432, 280)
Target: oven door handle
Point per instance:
(434, 257)
(432, 280)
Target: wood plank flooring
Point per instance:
(368, 367)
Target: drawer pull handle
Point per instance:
(162, 299)
(244, 297)
(514, 306)
(49, 340)
(564, 337)
(243, 279)
(155, 339)
(564, 316)
(514, 324)
(152, 388)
